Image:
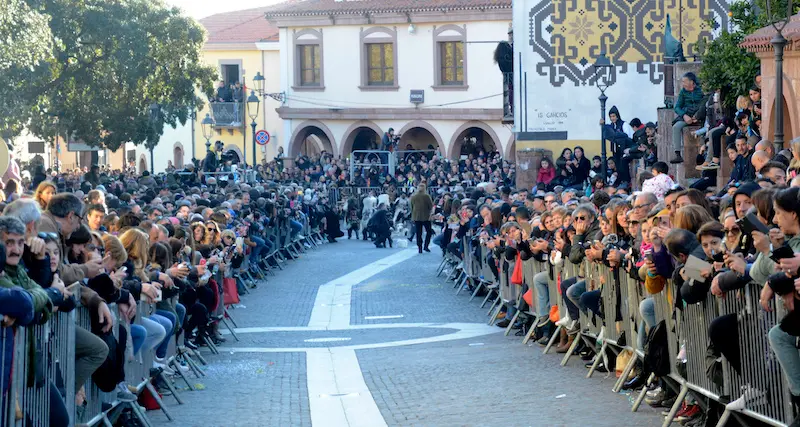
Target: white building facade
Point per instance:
(556, 44)
(350, 71)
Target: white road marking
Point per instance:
(333, 339)
(394, 316)
(462, 331)
(337, 393)
(332, 305)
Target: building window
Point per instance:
(450, 57)
(452, 63)
(380, 64)
(379, 59)
(310, 60)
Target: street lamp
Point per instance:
(155, 112)
(208, 130)
(258, 83)
(602, 69)
(778, 43)
(252, 111)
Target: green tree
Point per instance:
(726, 65)
(111, 61)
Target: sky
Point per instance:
(202, 8)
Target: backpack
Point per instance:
(656, 351)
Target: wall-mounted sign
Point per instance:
(417, 96)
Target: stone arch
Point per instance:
(428, 127)
(510, 153)
(311, 127)
(177, 155)
(350, 135)
(142, 163)
(456, 141)
(235, 149)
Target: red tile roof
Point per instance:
(243, 26)
(355, 7)
(761, 39)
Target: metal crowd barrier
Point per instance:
(761, 384)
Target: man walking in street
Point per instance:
(421, 210)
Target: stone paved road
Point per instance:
(494, 381)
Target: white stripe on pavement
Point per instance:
(337, 393)
(393, 316)
(332, 305)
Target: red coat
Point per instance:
(546, 175)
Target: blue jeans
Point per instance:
(181, 310)
(540, 281)
(573, 300)
(647, 308)
(785, 348)
(138, 335)
(591, 300)
(296, 227)
(260, 248)
(438, 240)
(154, 326)
(166, 321)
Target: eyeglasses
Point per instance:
(580, 218)
(99, 249)
(733, 230)
(643, 206)
(211, 229)
(48, 236)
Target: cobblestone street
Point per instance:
(412, 354)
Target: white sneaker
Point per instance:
(564, 321)
(180, 366)
(751, 396)
(160, 365)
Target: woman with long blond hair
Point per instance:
(136, 244)
(794, 163)
(44, 192)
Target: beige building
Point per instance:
(352, 70)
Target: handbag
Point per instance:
(555, 316)
(516, 276)
(528, 297)
(229, 291)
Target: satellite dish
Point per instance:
(4, 157)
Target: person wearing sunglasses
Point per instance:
(587, 230)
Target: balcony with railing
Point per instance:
(228, 115)
(508, 98)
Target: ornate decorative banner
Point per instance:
(570, 34)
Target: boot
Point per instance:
(565, 345)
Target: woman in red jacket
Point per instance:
(546, 172)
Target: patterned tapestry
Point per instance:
(570, 34)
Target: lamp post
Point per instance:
(252, 111)
(778, 43)
(208, 130)
(155, 112)
(601, 67)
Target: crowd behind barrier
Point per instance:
(129, 283)
(636, 307)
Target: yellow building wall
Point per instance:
(252, 61)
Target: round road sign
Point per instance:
(262, 137)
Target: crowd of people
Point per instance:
(744, 233)
(109, 241)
